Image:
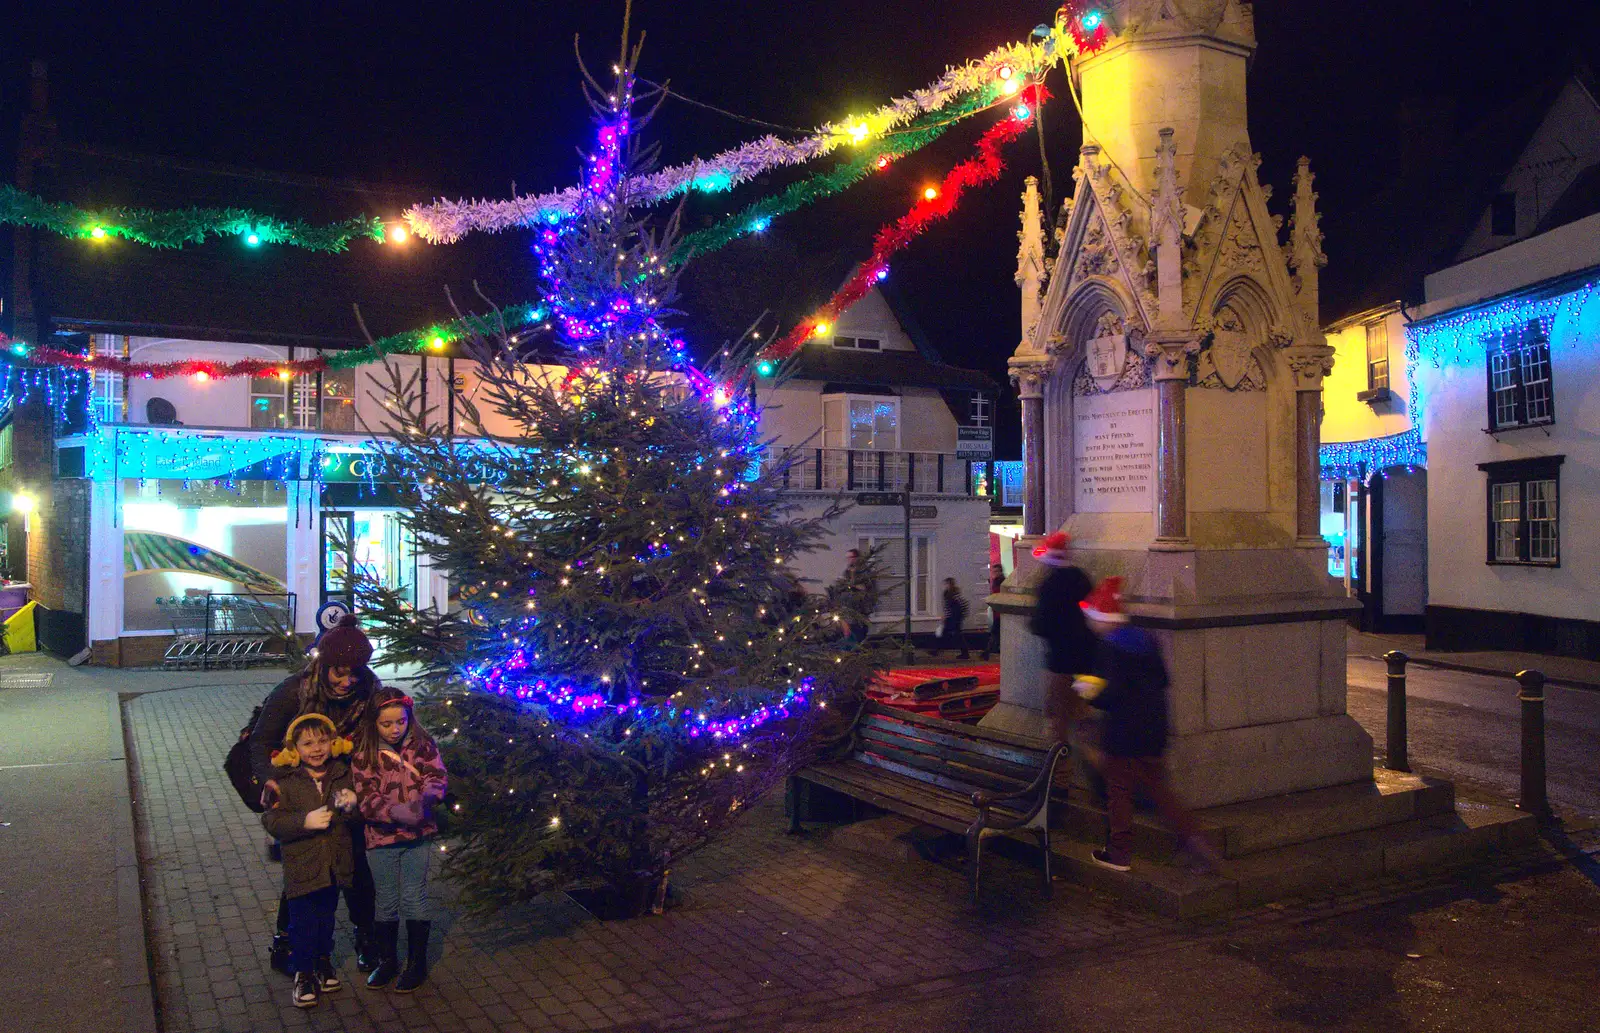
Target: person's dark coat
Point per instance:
(1135, 696)
(1058, 620)
(312, 860)
(283, 704)
(955, 613)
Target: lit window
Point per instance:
(1525, 511)
(1377, 355)
(853, 421)
(338, 400)
(1521, 392)
(978, 413)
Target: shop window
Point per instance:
(1339, 529)
(1524, 511)
(1521, 388)
(852, 421)
(183, 539)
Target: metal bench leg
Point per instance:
(794, 806)
(1044, 844)
(974, 860)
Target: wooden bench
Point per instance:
(956, 777)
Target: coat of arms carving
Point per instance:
(1230, 354)
(1106, 353)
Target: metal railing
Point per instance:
(859, 469)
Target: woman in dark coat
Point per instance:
(337, 683)
(955, 615)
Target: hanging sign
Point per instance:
(974, 442)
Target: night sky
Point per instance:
(467, 102)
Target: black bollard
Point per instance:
(1531, 694)
(1397, 711)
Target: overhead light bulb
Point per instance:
(98, 233)
(822, 329)
(931, 193)
(398, 234)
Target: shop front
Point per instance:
(190, 529)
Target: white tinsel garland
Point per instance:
(444, 222)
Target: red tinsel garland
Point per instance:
(983, 167)
(1087, 40)
(186, 368)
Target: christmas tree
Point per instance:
(633, 662)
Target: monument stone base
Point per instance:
(1255, 644)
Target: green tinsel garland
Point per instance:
(438, 336)
(755, 217)
(177, 228)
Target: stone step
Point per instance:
(1406, 848)
(1242, 829)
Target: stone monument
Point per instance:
(1171, 370)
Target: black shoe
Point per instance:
(1104, 859)
(327, 976)
(306, 993)
(278, 953)
(416, 972)
(386, 941)
(367, 954)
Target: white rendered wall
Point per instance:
(1455, 415)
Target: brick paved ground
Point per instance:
(766, 924)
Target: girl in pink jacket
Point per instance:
(399, 779)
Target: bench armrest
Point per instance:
(983, 800)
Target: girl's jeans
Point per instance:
(400, 878)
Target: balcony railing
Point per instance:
(856, 469)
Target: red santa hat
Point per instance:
(1104, 604)
(1052, 549)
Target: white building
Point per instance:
(876, 411)
(1490, 211)
(1507, 357)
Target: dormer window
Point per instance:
(866, 344)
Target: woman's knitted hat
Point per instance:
(344, 644)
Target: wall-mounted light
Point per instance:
(24, 504)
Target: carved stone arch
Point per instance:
(1240, 322)
(1253, 304)
(1089, 302)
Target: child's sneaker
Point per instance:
(1104, 859)
(327, 975)
(306, 993)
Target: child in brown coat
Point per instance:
(314, 793)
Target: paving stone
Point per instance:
(767, 922)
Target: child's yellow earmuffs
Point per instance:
(289, 757)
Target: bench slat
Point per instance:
(965, 775)
(986, 735)
(899, 792)
(1004, 770)
(1026, 756)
